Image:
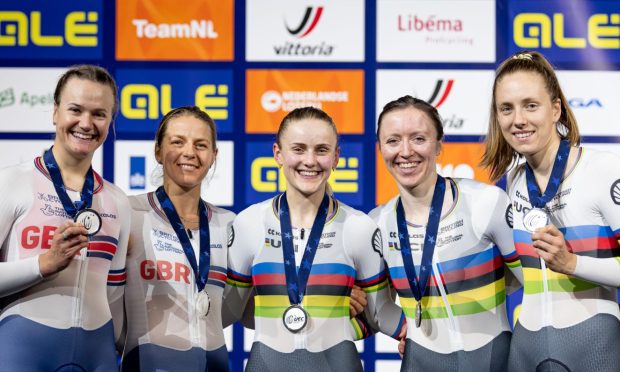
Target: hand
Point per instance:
(358, 301)
(68, 239)
(402, 336)
(549, 243)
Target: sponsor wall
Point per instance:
(249, 62)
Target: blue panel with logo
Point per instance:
(137, 173)
(46, 30)
(147, 95)
(266, 180)
(566, 31)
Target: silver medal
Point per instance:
(90, 219)
(418, 314)
(203, 303)
(534, 219)
(295, 318)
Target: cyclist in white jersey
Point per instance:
(304, 325)
(567, 235)
(58, 278)
(463, 323)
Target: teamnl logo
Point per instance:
(545, 26)
(51, 30)
(148, 95)
(299, 31)
(438, 96)
(267, 180)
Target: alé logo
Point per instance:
(299, 30)
(438, 97)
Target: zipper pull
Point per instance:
(302, 234)
(189, 232)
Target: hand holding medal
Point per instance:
(547, 240)
(67, 241)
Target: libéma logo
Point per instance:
(308, 23)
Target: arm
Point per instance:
(365, 245)
(240, 258)
(117, 276)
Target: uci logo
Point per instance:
(537, 30)
(266, 177)
(20, 29)
(142, 101)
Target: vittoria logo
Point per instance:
(301, 30)
(615, 192)
(377, 242)
(309, 22)
(508, 215)
(440, 92)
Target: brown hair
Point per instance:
(87, 72)
(301, 113)
(498, 155)
(416, 103)
(184, 111)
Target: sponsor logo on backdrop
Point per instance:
(51, 30)
(271, 94)
(446, 31)
(147, 95)
(584, 103)
(136, 171)
(267, 180)
(284, 30)
(163, 30)
(447, 90)
(567, 33)
(26, 98)
(457, 160)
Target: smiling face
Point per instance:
(307, 153)
(187, 151)
(409, 146)
(82, 118)
(526, 113)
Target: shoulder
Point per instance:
(477, 189)
(139, 203)
(255, 211)
(353, 218)
(598, 160)
(9, 173)
(116, 192)
(221, 214)
(383, 210)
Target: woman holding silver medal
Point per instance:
(567, 236)
(55, 295)
(449, 243)
(302, 315)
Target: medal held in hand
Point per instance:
(537, 217)
(418, 286)
(202, 301)
(295, 318)
(80, 210)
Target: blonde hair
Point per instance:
(498, 155)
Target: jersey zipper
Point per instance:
(456, 340)
(79, 296)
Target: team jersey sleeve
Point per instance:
(606, 182)
(117, 276)
(243, 236)
(15, 275)
(365, 245)
(499, 232)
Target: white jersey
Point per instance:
(466, 292)
(161, 289)
(586, 209)
(348, 253)
(80, 295)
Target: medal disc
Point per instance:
(90, 219)
(203, 303)
(534, 219)
(295, 318)
(418, 314)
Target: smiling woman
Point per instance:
(55, 310)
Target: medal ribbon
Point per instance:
(296, 281)
(86, 195)
(537, 199)
(418, 287)
(201, 272)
